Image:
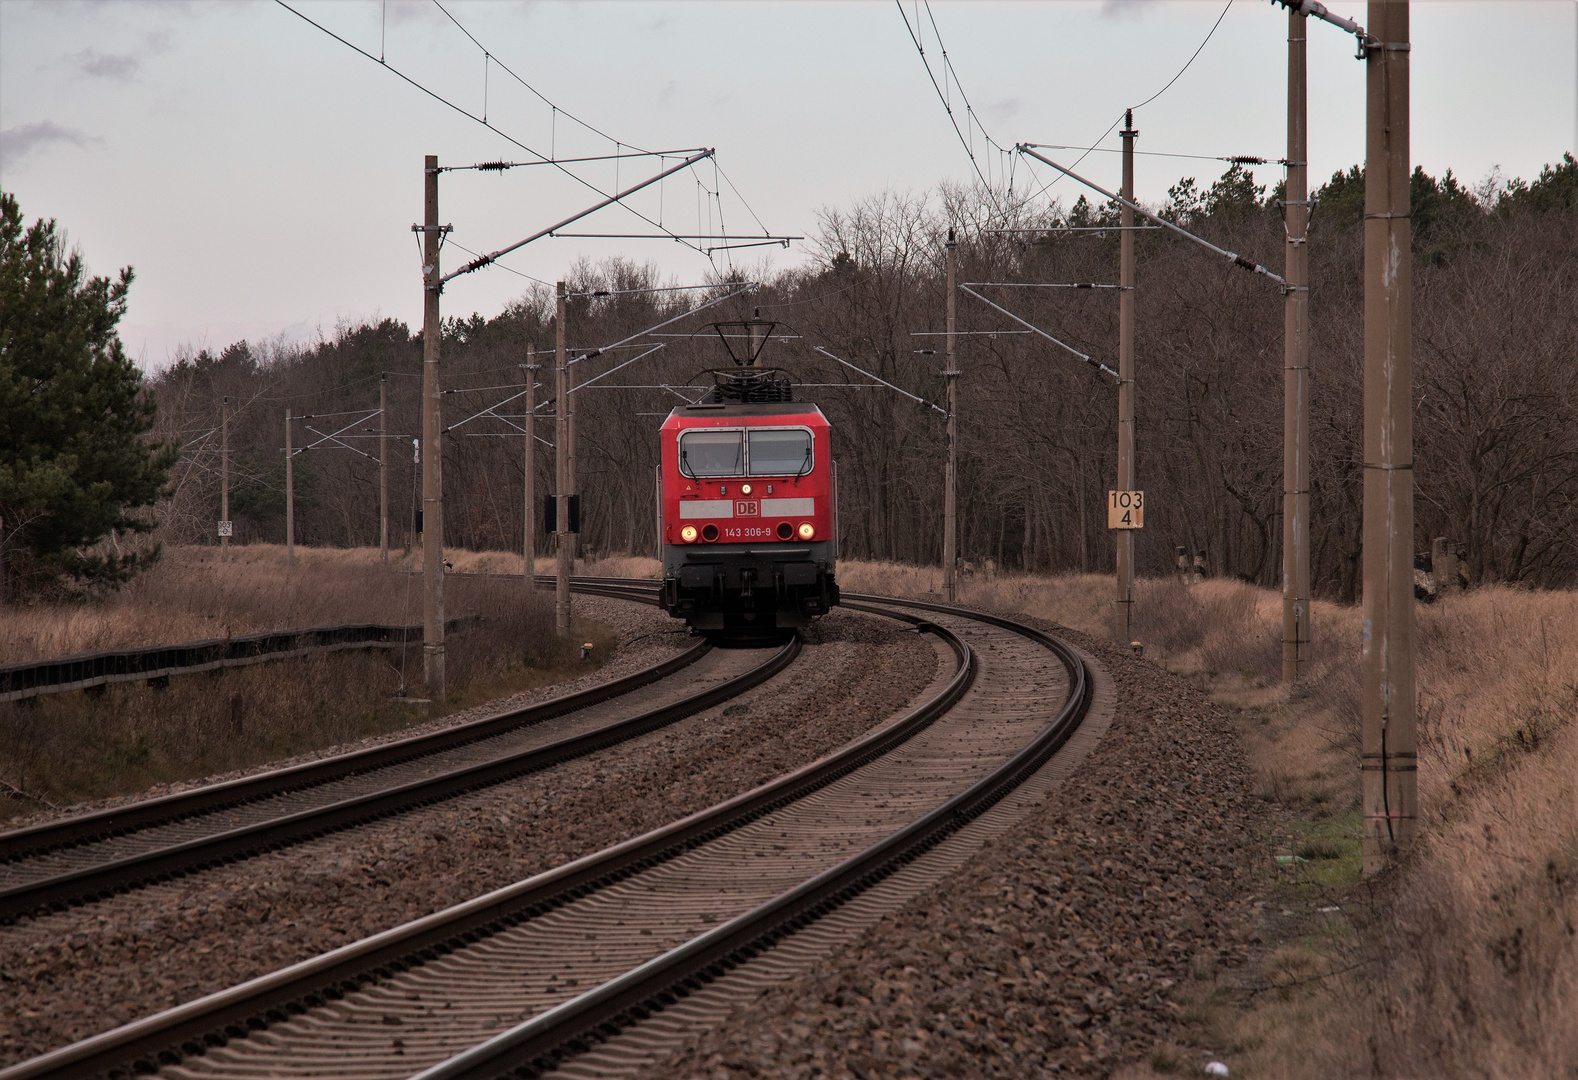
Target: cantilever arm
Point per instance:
(1237, 260)
(483, 260)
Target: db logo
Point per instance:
(747, 508)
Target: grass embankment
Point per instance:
(65, 748)
(1464, 960)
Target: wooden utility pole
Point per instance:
(1125, 537)
(383, 467)
(432, 447)
(529, 540)
(1387, 660)
(224, 471)
(561, 456)
(950, 518)
(290, 494)
(1296, 368)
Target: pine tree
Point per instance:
(74, 454)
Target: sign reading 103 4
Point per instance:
(1125, 509)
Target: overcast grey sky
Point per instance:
(263, 178)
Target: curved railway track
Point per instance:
(83, 858)
(523, 979)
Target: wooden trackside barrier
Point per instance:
(158, 662)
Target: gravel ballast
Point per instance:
(73, 973)
(1053, 951)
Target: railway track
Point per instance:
(590, 965)
(83, 858)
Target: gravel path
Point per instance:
(70, 974)
(1052, 952)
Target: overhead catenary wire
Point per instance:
(1087, 151)
(750, 286)
(501, 266)
(1237, 260)
(617, 367)
(966, 333)
(880, 379)
(332, 438)
(546, 158)
(1031, 326)
(609, 200)
(500, 165)
(557, 109)
(1073, 229)
(1044, 285)
(1209, 34)
(1237, 159)
(633, 292)
(363, 416)
(942, 96)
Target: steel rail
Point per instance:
(119, 820)
(144, 1045)
(542, 1042)
(93, 882)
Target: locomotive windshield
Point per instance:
(780, 453)
(758, 452)
(712, 453)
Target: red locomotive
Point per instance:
(748, 499)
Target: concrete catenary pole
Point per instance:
(290, 494)
(1125, 537)
(950, 516)
(529, 462)
(1296, 369)
(224, 466)
(432, 446)
(383, 467)
(572, 538)
(1387, 659)
(561, 455)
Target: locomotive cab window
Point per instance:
(780, 452)
(712, 453)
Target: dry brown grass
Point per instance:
(68, 747)
(1464, 962)
(205, 592)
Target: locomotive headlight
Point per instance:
(807, 530)
(745, 489)
(688, 534)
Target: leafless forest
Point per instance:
(1495, 389)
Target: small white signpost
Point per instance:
(1125, 509)
(227, 528)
